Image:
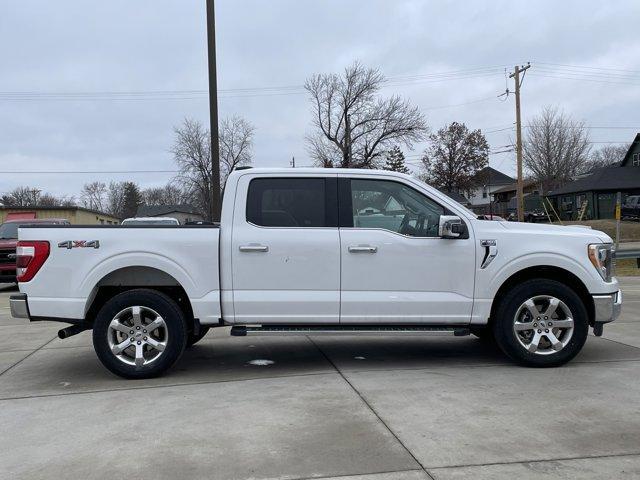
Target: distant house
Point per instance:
(598, 190)
(458, 197)
(75, 215)
(182, 213)
(487, 181)
(505, 201)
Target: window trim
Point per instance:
(330, 201)
(345, 206)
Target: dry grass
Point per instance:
(629, 231)
(627, 267)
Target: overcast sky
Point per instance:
(71, 58)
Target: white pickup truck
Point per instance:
(320, 251)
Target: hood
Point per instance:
(8, 243)
(563, 230)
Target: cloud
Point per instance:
(153, 45)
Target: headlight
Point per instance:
(601, 256)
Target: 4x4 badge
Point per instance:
(69, 244)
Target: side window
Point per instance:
(395, 207)
(288, 202)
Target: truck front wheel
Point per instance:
(541, 323)
(139, 334)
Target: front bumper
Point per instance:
(18, 306)
(607, 307)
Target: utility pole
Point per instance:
(347, 128)
(213, 112)
(519, 194)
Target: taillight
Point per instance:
(30, 256)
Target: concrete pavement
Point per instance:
(328, 407)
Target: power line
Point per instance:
(234, 92)
(83, 172)
(587, 67)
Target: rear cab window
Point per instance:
(292, 202)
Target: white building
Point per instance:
(487, 181)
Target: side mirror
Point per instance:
(450, 226)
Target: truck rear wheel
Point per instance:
(139, 334)
(541, 323)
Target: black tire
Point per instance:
(503, 326)
(193, 339)
(175, 328)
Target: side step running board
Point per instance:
(434, 331)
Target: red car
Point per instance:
(9, 240)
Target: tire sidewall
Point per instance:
(506, 337)
(166, 308)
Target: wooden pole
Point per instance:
(520, 186)
(213, 112)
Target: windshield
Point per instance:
(9, 231)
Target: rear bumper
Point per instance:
(19, 306)
(607, 307)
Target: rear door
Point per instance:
(286, 250)
(395, 267)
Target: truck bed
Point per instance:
(83, 259)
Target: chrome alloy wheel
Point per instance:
(543, 325)
(137, 336)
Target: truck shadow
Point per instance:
(308, 355)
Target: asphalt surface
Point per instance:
(327, 407)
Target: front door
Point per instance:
(286, 250)
(395, 267)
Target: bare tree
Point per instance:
(191, 152)
(236, 142)
(455, 154)
(123, 199)
(556, 148)
(115, 198)
(607, 156)
(34, 197)
(168, 195)
(355, 126)
(22, 197)
(94, 196)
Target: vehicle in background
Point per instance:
(496, 218)
(9, 240)
(150, 221)
(202, 222)
(321, 252)
(631, 208)
(533, 216)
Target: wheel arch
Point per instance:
(545, 272)
(134, 277)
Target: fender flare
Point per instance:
(135, 259)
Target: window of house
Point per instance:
(484, 192)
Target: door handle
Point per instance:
(362, 249)
(254, 247)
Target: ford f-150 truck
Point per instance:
(320, 251)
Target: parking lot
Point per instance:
(361, 408)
